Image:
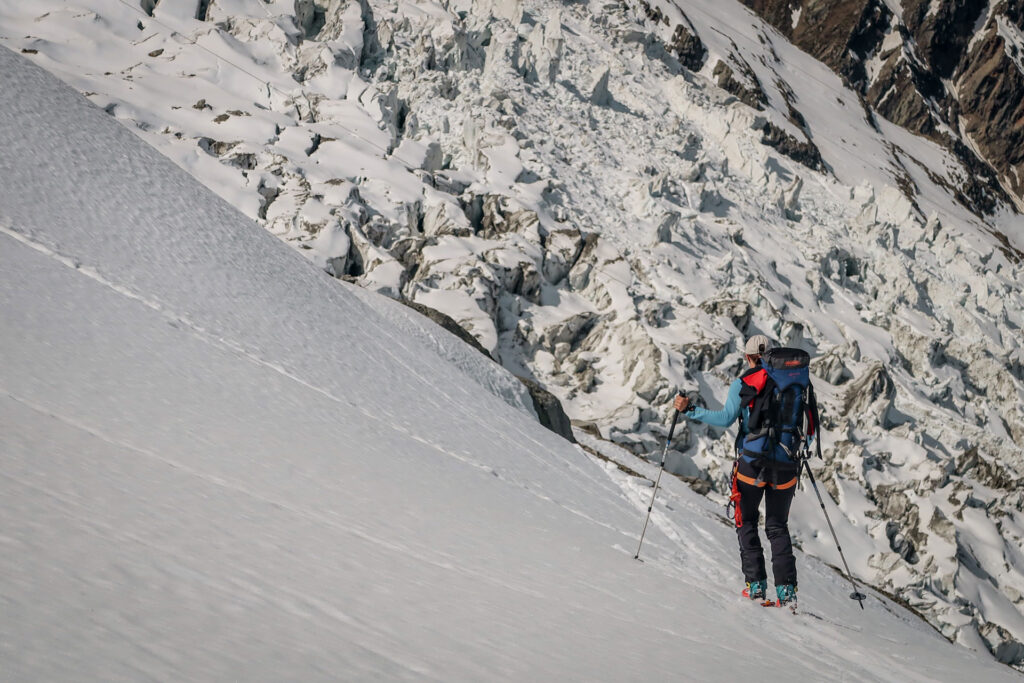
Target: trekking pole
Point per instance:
(664, 453)
(856, 594)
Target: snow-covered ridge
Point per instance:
(609, 222)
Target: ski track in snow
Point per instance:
(447, 562)
(78, 510)
(206, 337)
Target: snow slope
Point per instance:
(612, 224)
(218, 462)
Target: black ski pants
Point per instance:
(777, 489)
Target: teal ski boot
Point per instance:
(786, 595)
(755, 590)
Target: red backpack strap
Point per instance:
(754, 395)
(753, 382)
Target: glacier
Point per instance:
(609, 222)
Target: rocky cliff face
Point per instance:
(608, 196)
(947, 69)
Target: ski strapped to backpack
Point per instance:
(783, 408)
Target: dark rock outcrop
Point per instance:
(549, 410)
(950, 70)
(804, 152)
(685, 44)
(547, 406)
(688, 47)
(448, 323)
(991, 100)
(942, 36)
(751, 95)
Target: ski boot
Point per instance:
(755, 590)
(786, 594)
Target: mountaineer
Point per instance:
(773, 397)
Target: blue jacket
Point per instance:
(727, 415)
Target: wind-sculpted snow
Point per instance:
(572, 186)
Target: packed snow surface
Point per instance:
(218, 462)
